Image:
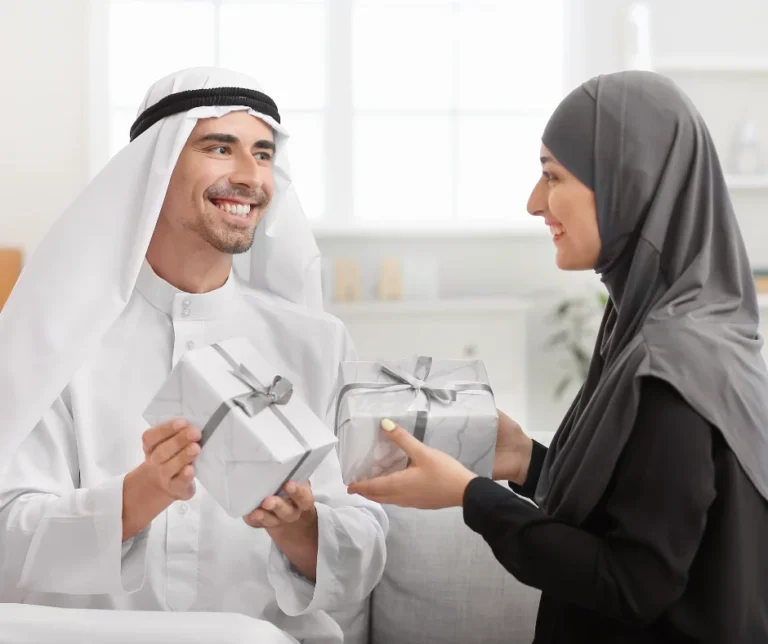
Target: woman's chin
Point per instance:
(567, 262)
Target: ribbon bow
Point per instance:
(260, 397)
(418, 382)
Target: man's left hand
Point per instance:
(292, 525)
(276, 512)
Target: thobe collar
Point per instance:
(185, 306)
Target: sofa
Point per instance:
(441, 585)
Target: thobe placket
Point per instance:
(183, 517)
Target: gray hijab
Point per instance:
(682, 307)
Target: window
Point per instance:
(402, 112)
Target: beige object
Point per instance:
(10, 269)
(391, 281)
(761, 283)
(349, 283)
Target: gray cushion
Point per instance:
(442, 585)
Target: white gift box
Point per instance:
(447, 404)
(257, 435)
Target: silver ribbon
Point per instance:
(417, 382)
(259, 398)
(255, 401)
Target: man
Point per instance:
(96, 510)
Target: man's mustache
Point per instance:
(258, 198)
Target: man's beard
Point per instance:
(231, 242)
(227, 240)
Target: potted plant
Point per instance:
(576, 320)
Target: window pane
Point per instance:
(402, 56)
(510, 54)
(151, 39)
(120, 122)
(498, 161)
(306, 150)
(403, 168)
(282, 45)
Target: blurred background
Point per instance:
(416, 130)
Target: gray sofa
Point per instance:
(442, 585)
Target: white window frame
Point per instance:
(337, 115)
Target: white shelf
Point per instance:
(450, 306)
(436, 230)
(698, 64)
(747, 182)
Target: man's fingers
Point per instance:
(301, 495)
(262, 519)
(184, 458)
(285, 511)
(182, 486)
(404, 440)
(175, 445)
(156, 435)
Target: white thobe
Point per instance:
(61, 498)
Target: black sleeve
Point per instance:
(655, 510)
(528, 488)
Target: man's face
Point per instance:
(222, 182)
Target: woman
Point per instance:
(651, 519)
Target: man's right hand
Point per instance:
(166, 475)
(169, 451)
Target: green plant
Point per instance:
(576, 320)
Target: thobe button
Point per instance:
(190, 345)
(187, 302)
(183, 508)
(185, 312)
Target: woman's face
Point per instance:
(568, 208)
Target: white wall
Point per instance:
(44, 144)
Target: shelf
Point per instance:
(453, 305)
(705, 64)
(436, 230)
(747, 182)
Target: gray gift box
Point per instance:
(447, 404)
(257, 435)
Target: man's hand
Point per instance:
(292, 525)
(166, 475)
(169, 451)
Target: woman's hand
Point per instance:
(433, 480)
(513, 452)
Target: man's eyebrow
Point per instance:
(265, 144)
(218, 137)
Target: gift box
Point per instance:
(446, 404)
(257, 435)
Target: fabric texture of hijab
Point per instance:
(83, 272)
(683, 306)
